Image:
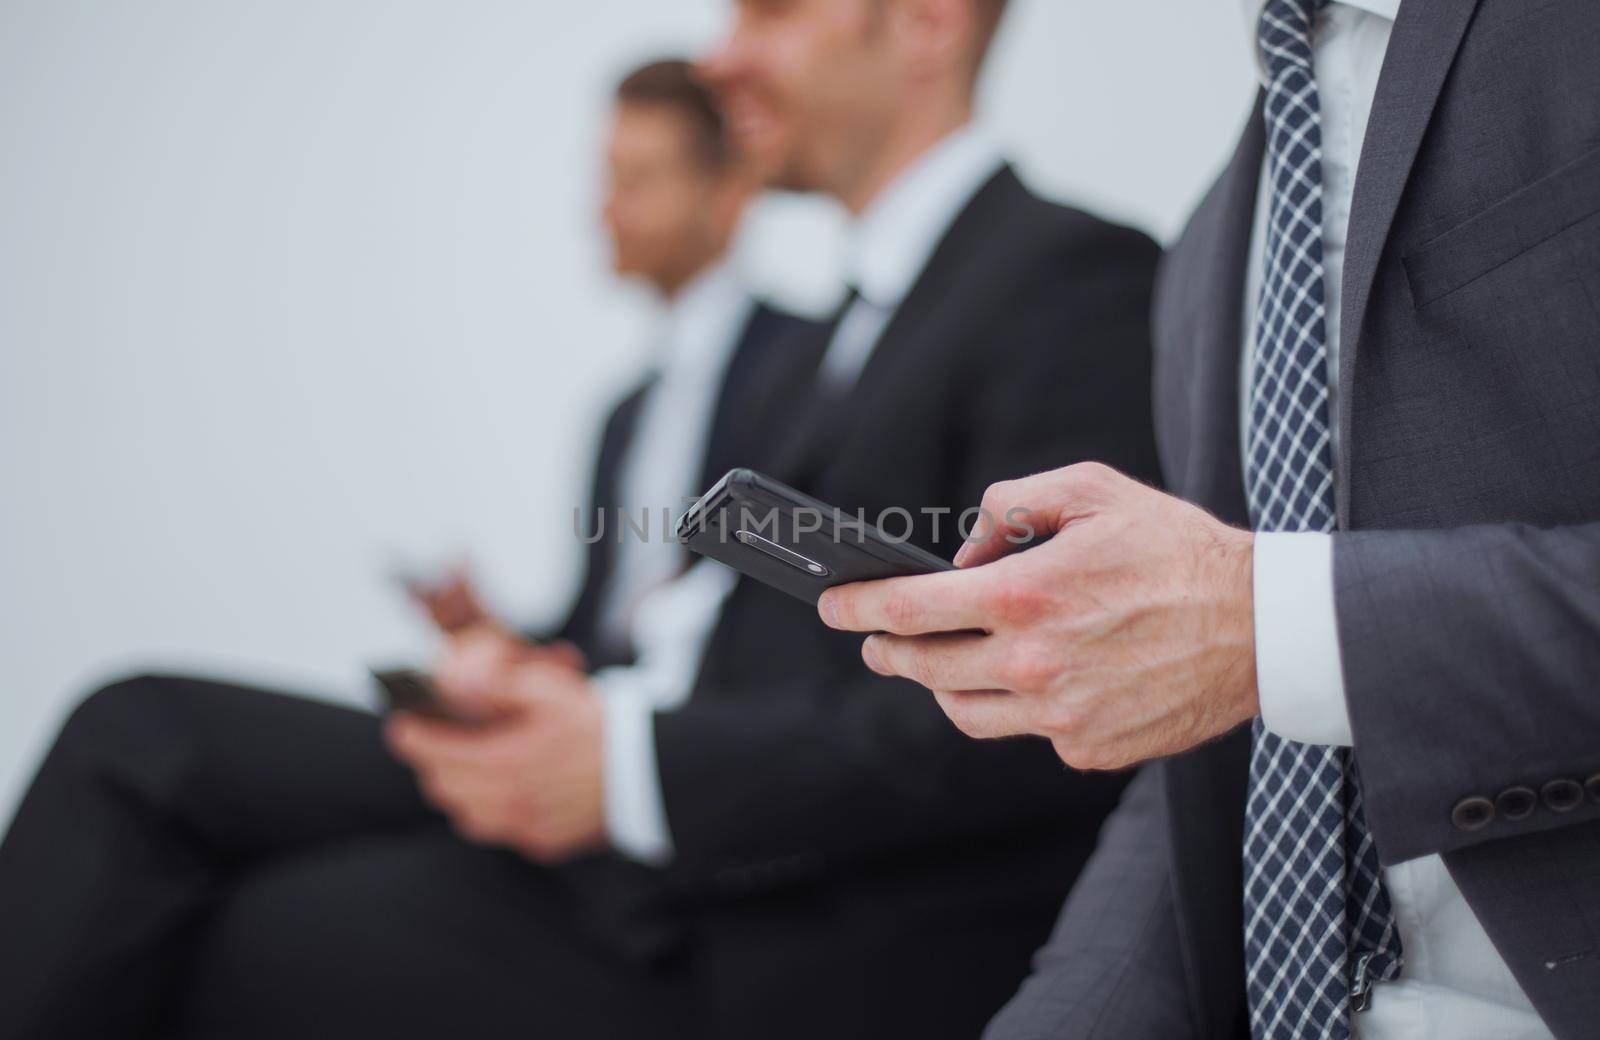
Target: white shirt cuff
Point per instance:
(636, 812)
(1298, 672)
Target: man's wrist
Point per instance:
(635, 812)
(1236, 627)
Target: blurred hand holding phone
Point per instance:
(481, 658)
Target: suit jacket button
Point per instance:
(1562, 795)
(1472, 813)
(1593, 784)
(1516, 803)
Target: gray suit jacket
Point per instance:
(1467, 563)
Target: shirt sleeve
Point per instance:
(1298, 670)
(671, 627)
(636, 813)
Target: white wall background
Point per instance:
(290, 287)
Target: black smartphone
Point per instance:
(769, 531)
(406, 689)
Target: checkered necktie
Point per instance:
(1318, 926)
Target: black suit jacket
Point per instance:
(750, 413)
(1467, 562)
(831, 824)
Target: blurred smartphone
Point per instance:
(406, 689)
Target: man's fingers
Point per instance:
(1006, 521)
(505, 692)
(1019, 513)
(470, 809)
(417, 739)
(946, 602)
(563, 655)
(468, 667)
(537, 682)
(453, 603)
(951, 661)
(985, 714)
(481, 652)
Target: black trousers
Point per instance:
(210, 861)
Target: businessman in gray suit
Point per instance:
(1364, 654)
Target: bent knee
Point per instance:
(115, 706)
(142, 713)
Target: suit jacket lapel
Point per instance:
(1200, 314)
(1200, 332)
(1422, 48)
(582, 623)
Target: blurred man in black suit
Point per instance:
(742, 832)
(676, 191)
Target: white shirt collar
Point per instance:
(892, 241)
(1251, 10)
(703, 320)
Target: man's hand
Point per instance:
(483, 661)
(452, 601)
(531, 777)
(457, 610)
(1126, 636)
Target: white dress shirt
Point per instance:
(1453, 982)
(664, 457)
(886, 251)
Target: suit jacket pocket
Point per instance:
(1531, 215)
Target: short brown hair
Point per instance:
(671, 83)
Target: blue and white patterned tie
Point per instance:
(1318, 925)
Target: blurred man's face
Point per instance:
(808, 86)
(660, 207)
